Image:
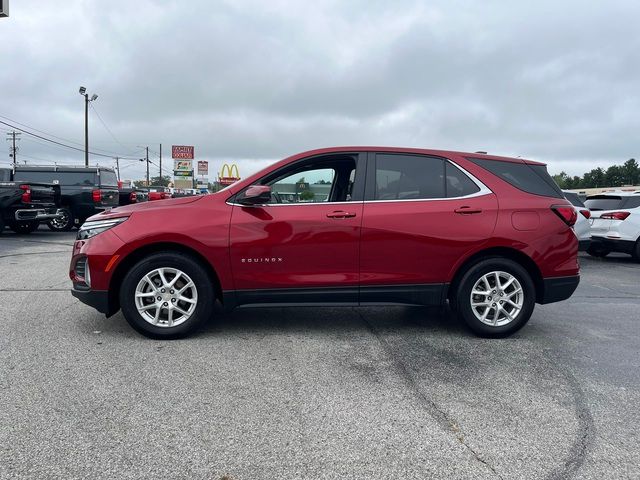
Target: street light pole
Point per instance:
(83, 92)
(86, 129)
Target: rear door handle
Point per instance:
(340, 214)
(467, 210)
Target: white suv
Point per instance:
(615, 223)
(582, 226)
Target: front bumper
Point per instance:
(613, 245)
(98, 299)
(558, 289)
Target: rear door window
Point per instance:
(409, 177)
(529, 178)
(604, 202)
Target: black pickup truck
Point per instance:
(23, 205)
(85, 191)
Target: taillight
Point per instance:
(26, 193)
(96, 195)
(615, 215)
(566, 213)
(132, 197)
(586, 213)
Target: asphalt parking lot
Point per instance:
(315, 393)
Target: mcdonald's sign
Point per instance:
(226, 175)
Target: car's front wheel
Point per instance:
(496, 297)
(167, 295)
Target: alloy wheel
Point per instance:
(497, 298)
(166, 297)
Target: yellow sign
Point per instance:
(229, 178)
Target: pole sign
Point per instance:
(182, 152)
(203, 167)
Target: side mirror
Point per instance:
(255, 195)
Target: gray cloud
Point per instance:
(254, 81)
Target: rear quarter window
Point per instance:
(529, 178)
(632, 202)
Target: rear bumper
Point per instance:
(558, 289)
(29, 214)
(98, 299)
(622, 246)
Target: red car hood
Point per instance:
(139, 207)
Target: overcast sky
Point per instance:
(255, 81)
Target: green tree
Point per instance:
(561, 179)
(307, 195)
(614, 176)
(630, 172)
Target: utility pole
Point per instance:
(161, 164)
(14, 150)
(147, 158)
(118, 166)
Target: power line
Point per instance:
(60, 143)
(107, 127)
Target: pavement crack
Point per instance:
(441, 417)
(33, 253)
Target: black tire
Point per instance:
(24, 228)
(174, 260)
(63, 224)
(474, 274)
(636, 251)
(1, 223)
(598, 252)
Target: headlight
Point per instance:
(94, 227)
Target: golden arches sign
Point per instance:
(229, 178)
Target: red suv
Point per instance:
(340, 226)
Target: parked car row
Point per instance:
(608, 222)
(65, 196)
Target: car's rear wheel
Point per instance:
(63, 223)
(167, 295)
(495, 297)
(24, 227)
(597, 251)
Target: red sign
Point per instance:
(182, 151)
(203, 167)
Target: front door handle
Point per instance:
(467, 210)
(340, 214)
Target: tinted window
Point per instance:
(401, 177)
(63, 178)
(108, 177)
(632, 202)
(528, 178)
(458, 184)
(604, 202)
(574, 199)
